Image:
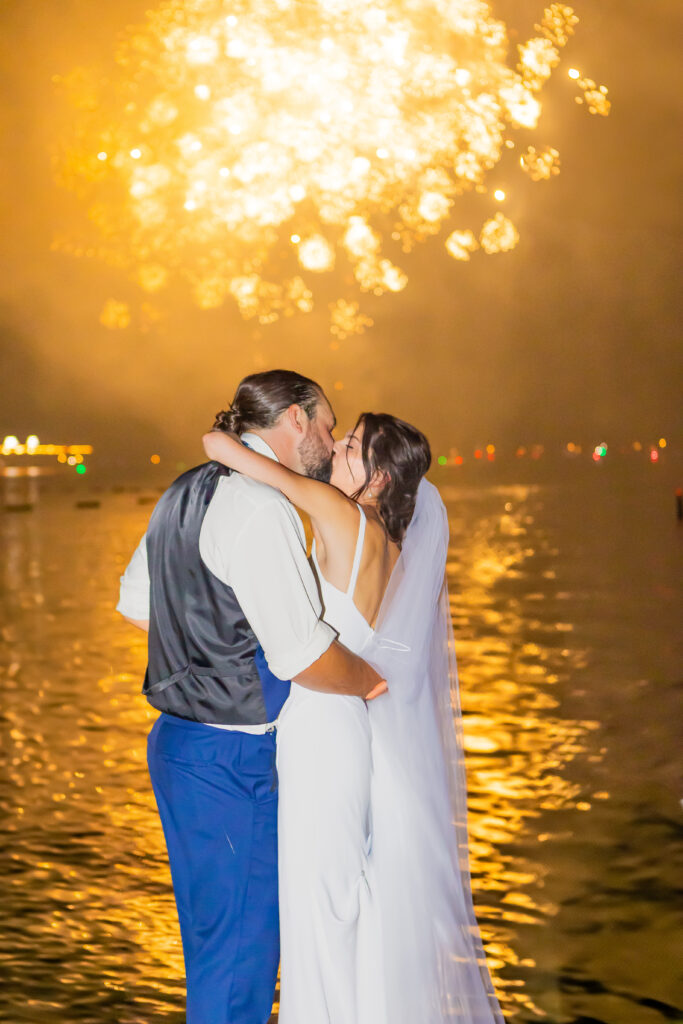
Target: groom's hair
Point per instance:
(262, 397)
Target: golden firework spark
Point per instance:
(115, 315)
(540, 165)
(594, 96)
(346, 319)
(247, 148)
(498, 234)
(460, 244)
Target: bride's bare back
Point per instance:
(335, 549)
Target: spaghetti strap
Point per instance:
(357, 557)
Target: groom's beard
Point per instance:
(316, 460)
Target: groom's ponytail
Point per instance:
(230, 419)
(262, 397)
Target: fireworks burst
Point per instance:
(247, 148)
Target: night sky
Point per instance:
(572, 336)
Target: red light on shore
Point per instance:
(654, 455)
(478, 453)
(459, 460)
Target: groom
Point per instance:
(222, 583)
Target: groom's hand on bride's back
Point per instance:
(340, 671)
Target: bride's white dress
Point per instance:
(377, 921)
(324, 768)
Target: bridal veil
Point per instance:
(430, 953)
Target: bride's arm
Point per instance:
(320, 501)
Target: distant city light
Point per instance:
(499, 195)
(32, 447)
(10, 443)
(74, 454)
(574, 73)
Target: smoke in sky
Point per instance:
(573, 334)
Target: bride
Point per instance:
(376, 916)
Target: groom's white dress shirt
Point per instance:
(253, 540)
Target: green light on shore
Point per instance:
(80, 470)
(442, 460)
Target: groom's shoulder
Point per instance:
(240, 504)
(244, 496)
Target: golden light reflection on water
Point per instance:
(517, 747)
(89, 925)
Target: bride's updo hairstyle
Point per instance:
(402, 453)
(262, 397)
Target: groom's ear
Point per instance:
(296, 418)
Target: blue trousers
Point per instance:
(217, 797)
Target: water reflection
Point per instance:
(571, 818)
(518, 748)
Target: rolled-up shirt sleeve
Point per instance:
(276, 589)
(134, 589)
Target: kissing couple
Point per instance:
(308, 762)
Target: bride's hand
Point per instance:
(377, 691)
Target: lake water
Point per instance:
(567, 602)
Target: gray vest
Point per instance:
(204, 661)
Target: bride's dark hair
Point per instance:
(402, 453)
